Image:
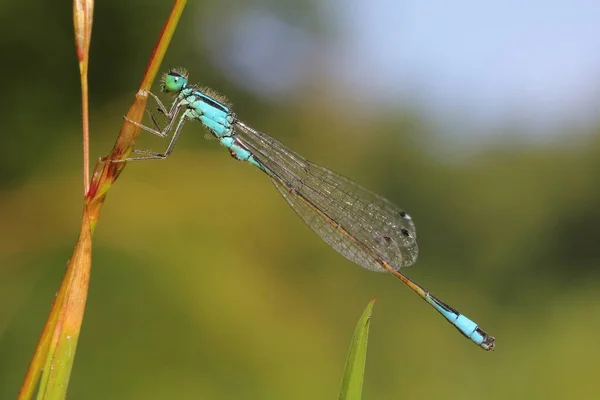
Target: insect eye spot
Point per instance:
(404, 215)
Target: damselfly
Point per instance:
(359, 224)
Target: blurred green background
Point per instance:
(206, 285)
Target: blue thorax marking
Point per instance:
(212, 102)
(218, 118)
(218, 128)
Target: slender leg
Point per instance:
(161, 106)
(154, 121)
(167, 128)
(162, 109)
(149, 155)
(171, 117)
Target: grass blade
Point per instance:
(56, 349)
(352, 382)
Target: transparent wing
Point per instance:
(357, 223)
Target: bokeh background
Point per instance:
(480, 119)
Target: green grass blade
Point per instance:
(352, 382)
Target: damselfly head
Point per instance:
(174, 81)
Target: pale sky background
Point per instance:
(536, 62)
